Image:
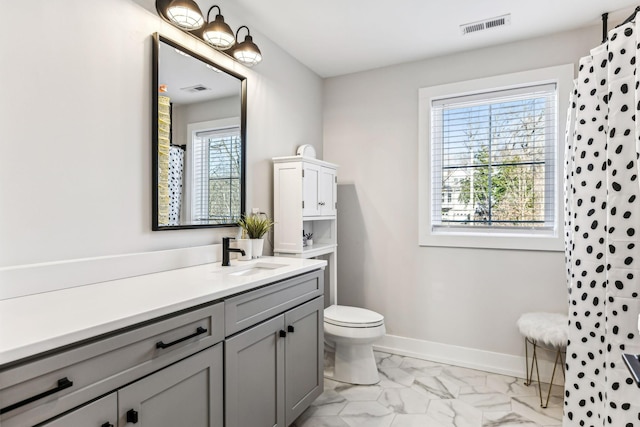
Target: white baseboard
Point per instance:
(498, 363)
(30, 279)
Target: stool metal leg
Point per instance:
(535, 359)
(527, 381)
(555, 365)
(534, 364)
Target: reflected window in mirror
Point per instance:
(215, 179)
(199, 140)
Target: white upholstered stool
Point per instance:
(549, 331)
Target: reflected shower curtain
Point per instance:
(176, 173)
(602, 218)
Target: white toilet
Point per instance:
(351, 332)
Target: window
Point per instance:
(490, 161)
(493, 159)
(215, 172)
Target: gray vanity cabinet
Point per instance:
(61, 384)
(252, 360)
(304, 357)
(188, 393)
(273, 370)
(254, 375)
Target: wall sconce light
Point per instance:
(218, 33)
(186, 15)
(247, 52)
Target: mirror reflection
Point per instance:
(199, 140)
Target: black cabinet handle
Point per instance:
(198, 331)
(107, 424)
(132, 416)
(290, 328)
(62, 384)
(282, 333)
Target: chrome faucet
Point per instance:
(226, 249)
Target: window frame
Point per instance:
(496, 237)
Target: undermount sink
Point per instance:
(257, 268)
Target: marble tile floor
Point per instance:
(419, 393)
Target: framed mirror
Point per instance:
(199, 140)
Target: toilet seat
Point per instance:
(352, 317)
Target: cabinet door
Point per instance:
(188, 393)
(328, 189)
(304, 349)
(101, 413)
(254, 376)
(287, 207)
(311, 182)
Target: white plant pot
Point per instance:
(256, 247)
(309, 242)
(246, 246)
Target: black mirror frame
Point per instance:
(157, 38)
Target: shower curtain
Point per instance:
(602, 218)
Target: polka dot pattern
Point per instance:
(602, 218)
(176, 170)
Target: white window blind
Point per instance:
(493, 160)
(216, 175)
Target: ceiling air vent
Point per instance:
(196, 88)
(485, 24)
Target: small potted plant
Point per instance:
(308, 237)
(244, 243)
(255, 226)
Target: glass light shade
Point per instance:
(219, 34)
(185, 14)
(247, 52)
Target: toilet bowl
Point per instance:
(351, 332)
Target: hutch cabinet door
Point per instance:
(311, 194)
(328, 192)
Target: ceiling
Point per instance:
(335, 37)
(189, 80)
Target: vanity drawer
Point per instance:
(38, 390)
(246, 310)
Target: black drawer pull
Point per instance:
(198, 331)
(107, 424)
(290, 328)
(282, 333)
(132, 416)
(62, 384)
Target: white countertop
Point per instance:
(37, 323)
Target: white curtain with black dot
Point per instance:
(176, 172)
(602, 222)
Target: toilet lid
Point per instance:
(353, 317)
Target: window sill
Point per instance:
(489, 240)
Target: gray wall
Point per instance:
(75, 124)
(463, 297)
(183, 115)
